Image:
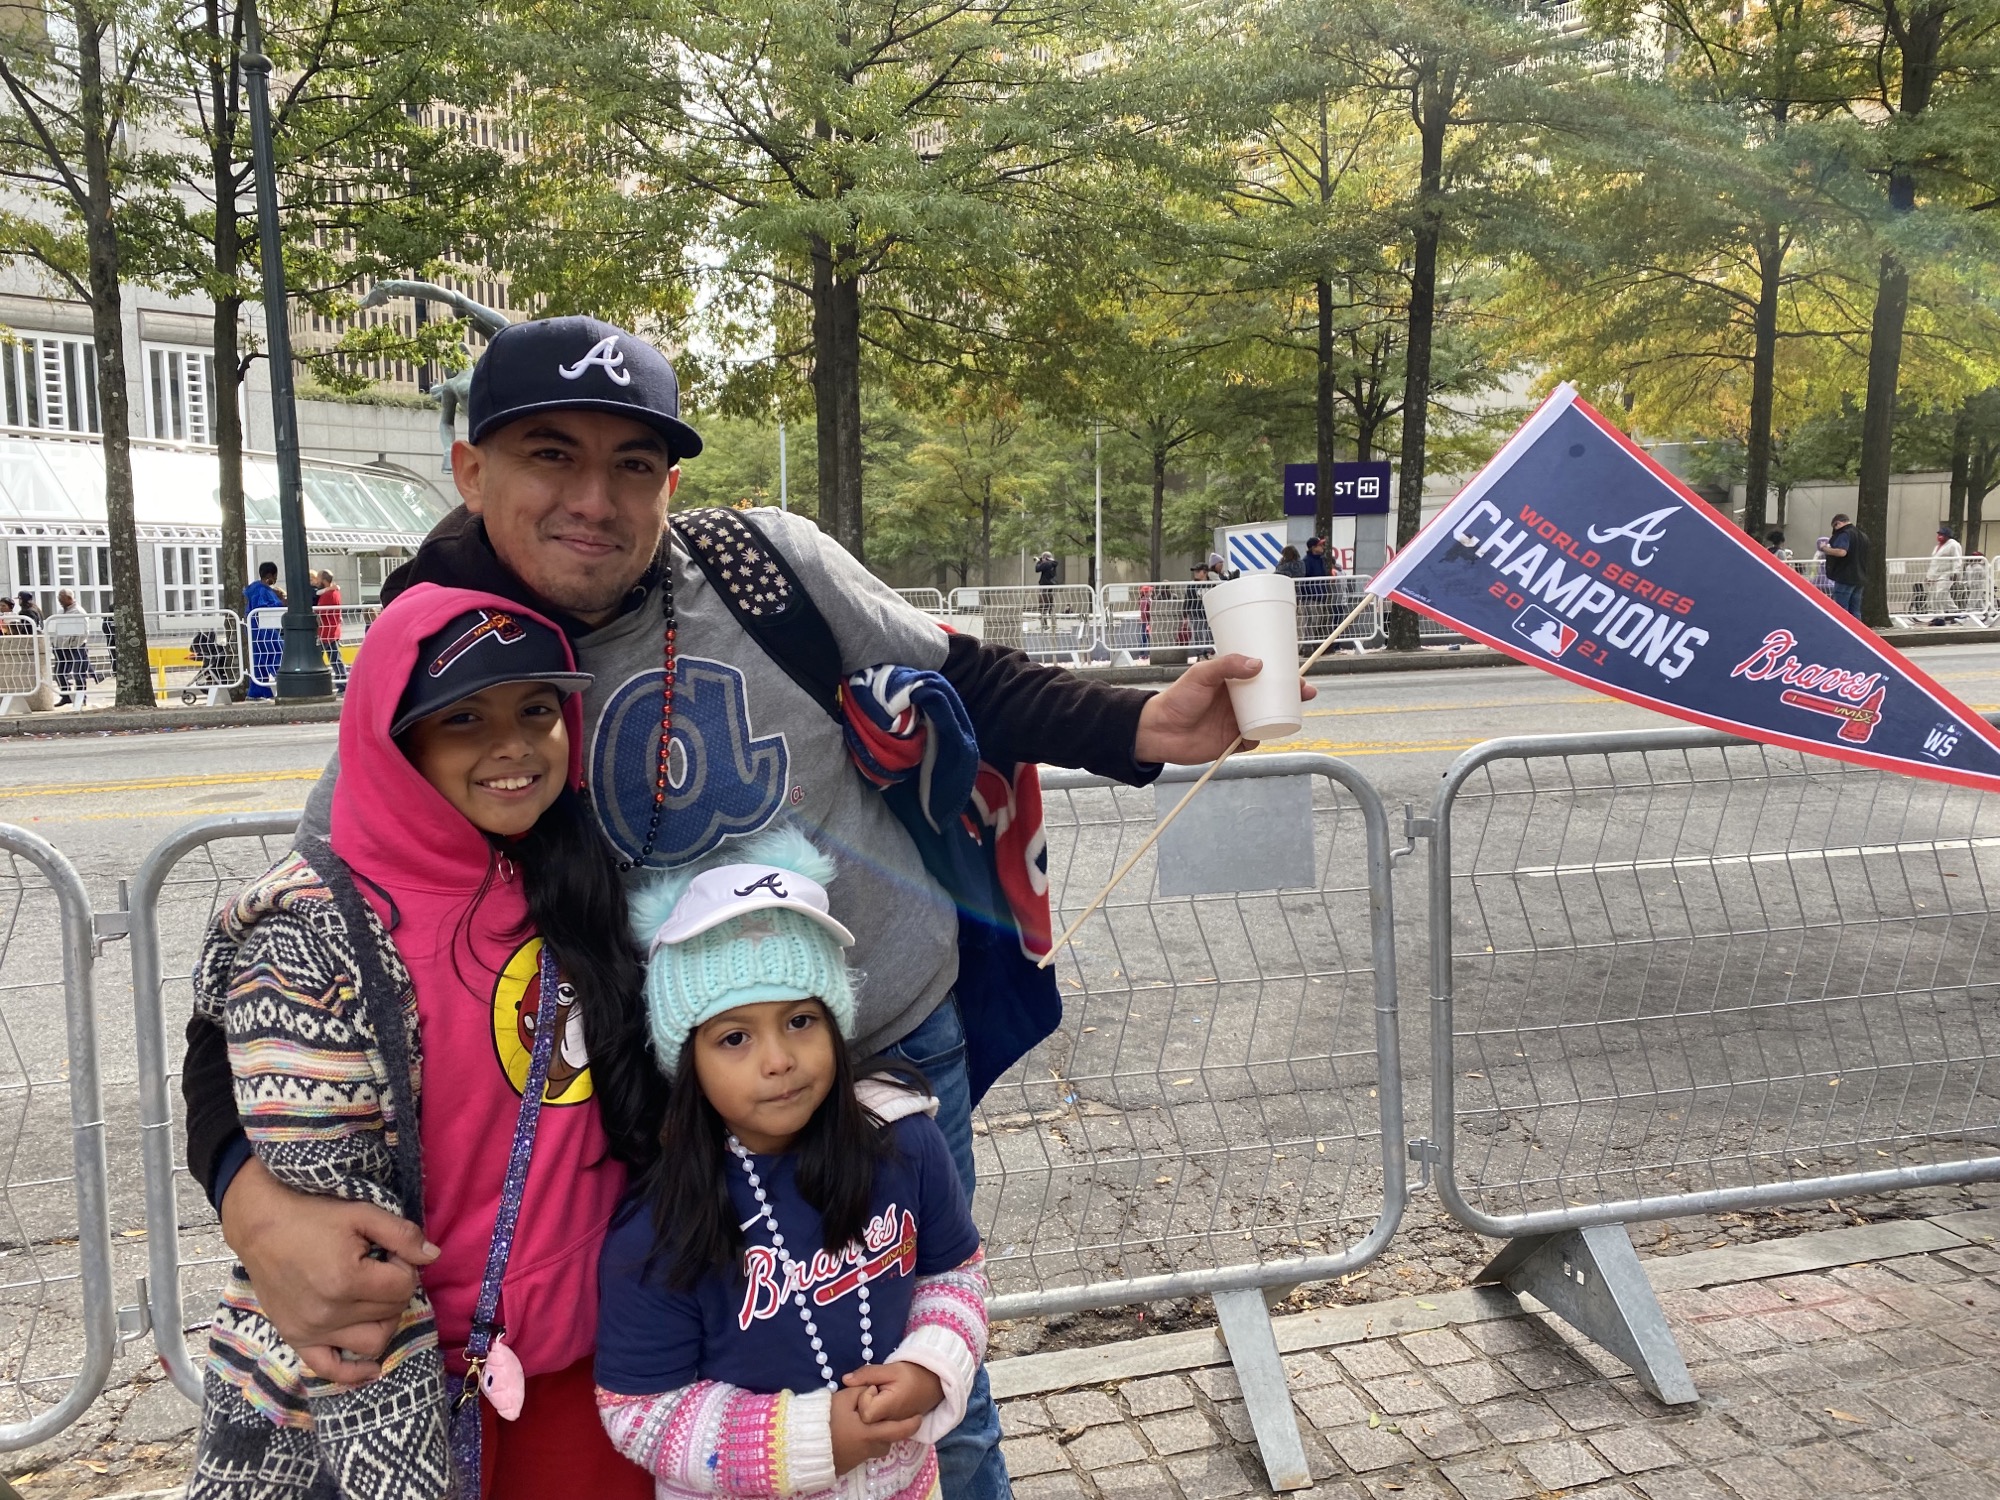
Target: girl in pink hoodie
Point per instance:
(384, 994)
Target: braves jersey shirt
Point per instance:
(744, 1329)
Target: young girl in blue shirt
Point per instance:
(794, 1302)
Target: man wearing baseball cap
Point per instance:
(573, 453)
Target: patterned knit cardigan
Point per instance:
(321, 1020)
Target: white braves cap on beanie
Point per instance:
(717, 895)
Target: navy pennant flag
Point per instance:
(1575, 552)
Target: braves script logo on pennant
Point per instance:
(1645, 532)
(1854, 698)
(607, 356)
(492, 626)
(888, 1246)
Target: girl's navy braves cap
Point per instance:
(479, 649)
(577, 364)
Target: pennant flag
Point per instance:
(1575, 552)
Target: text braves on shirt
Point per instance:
(888, 1246)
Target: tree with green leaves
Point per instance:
(1486, 90)
(860, 162)
(1935, 66)
(1691, 254)
(76, 107)
(373, 183)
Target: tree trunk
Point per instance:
(985, 535)
(233, 571)
(836, 334)
(1919, 36)
(1323, 417)
(1156, 533)
(1885, 358)
(107, 318)
(1763, 372)
(1433, 114)
(1961, 472)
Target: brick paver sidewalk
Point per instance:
(1876, 1377)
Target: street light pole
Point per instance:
(302, 672)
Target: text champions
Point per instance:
(1616, 607)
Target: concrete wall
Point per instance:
(1917, 503)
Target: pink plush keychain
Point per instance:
(502, 1379)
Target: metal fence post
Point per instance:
(1703, 975)
(86, 1111)
(1231, 1054)
(156, 1110)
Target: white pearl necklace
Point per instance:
(800, 1299)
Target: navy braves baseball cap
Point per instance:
(479, 649)
(577, 364)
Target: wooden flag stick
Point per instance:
(1154, 837)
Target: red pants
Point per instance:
(557, 1447)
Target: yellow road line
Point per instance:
(173, 812)
(1444, 708)
(155, 784)
(1365, 747)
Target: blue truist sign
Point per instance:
(1358, 489)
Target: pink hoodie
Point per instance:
(421, 864)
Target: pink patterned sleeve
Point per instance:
(946, 1334)
(710, 1438)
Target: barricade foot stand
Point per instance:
(1253, 1350)
(1592, 1279)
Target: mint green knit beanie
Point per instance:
(746, 926)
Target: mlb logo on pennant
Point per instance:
(1544, 630)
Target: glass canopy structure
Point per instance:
(55, 489)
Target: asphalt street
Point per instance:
(1213, 1092)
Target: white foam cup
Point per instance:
(1257, 615)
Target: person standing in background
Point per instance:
(1941, 578)
(68, 630)
(267, 641)
(326, 600)
(1846, 554)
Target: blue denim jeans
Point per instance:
(970, 1465)
(1848, 597)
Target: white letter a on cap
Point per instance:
(604, 354)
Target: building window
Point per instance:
(190, 579)
(82, 568)
(180, 395)
(51, 383)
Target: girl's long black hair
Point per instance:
(576, 902)
(695, 1226)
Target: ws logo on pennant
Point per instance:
(723, 779)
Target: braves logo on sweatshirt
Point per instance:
(724, 779)
(887, 1247)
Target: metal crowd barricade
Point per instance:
(24, 664)
(1162, 621)
(1057, 623)
(1961, 596)
(339, 629)
(930, 601)
(173, 898)
(1221, 1110)
(198, 656)
(1674, 973)
(58, 1323)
